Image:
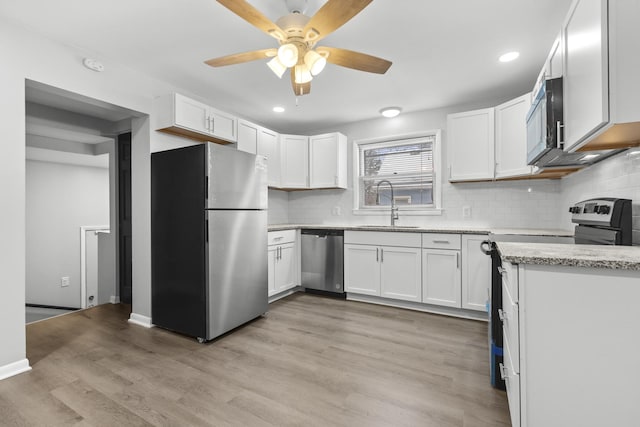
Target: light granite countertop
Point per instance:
(408, 229)
(591, 256)
(412, 229)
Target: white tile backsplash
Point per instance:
(618, 176)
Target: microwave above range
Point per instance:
(545, 130)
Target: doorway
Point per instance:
(78, 158)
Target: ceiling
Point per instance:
(444, 53)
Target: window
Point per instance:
(408, 163)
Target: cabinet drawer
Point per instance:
(512, 381)
(441, 241)
(283, 236)
(382, 238)
(509, 273)
(510, 324)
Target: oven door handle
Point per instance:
(485, 247)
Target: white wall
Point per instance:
(30, 56)
(615, 177)
(278, 207)
(60, 199)
(529, 203)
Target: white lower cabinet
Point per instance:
(476, 273)
(400, 273)
(441, 277)
(283, 261)
(570, 345)
(361, 269)
(441, 269)
(386, 271)
(389, 269)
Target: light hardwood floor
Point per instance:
(312, 361)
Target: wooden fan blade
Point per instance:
(333, 15)
(254, 17)
(298, 88)
(238, 58)
(355, 60)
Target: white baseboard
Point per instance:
(140, 320)
(14, 368)
(114, 299)
(427, 308)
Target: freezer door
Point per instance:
(237, 276)
(236, 180)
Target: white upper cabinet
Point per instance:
(247, 136)
(180, 115)
(294, 161)
(269, 146)
(256, 139)
(601, 69)
(511, 138)
(470, 143)
(586, 106)
(328, 160)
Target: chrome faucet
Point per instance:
(394, 208)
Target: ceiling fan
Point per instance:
(298, 35)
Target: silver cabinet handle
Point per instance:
(377, 258)
(446, 242)
(504, 372)
(381, 255)
(278, 238)
(458, 260)
(279, 252)
(213, 125)
(502, 315)
(208, 125)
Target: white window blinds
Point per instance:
(408, 164)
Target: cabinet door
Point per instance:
(470, 143)
(271, 262)
(285, 267)
(511, 137)
(295, 161)
(400, 275)
(269, 146)
(222, 125)
(247, 137)
(441, 277)
(327, 156)
(585, 84)
(362, 269)
(191, 114)
(476, 273)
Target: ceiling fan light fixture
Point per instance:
(277, 67)
(390, 111)
(288, 54)
(315, 62)
(302, 74)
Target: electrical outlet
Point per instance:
(336, 211)
(64, 281)
(466, 212)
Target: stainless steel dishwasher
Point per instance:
(322, 260)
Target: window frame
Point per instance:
(435, 209)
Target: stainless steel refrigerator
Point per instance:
(209, 239)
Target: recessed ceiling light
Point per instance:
(278, 109)
(509, 56)
(390, 111)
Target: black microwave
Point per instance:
(544, 121)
